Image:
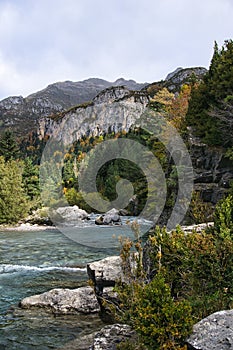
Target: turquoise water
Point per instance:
(37, 261)
(32, 263)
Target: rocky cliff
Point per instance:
(21, 114)
(213, 172)
(113, 110)
(116, 109)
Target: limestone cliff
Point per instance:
(21, 114)
(113, 110)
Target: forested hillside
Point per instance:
(196, 102)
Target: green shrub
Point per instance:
(161, 321)
(223, 218)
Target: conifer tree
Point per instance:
(8, 146)
(13, 202)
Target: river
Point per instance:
(33, 262)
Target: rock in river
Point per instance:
(65, 301)
(112, 217)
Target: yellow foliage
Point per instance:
(164, 97)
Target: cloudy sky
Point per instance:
(44, 41)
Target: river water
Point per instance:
(33, 262)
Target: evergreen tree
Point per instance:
(211, 95)
(8, 146)
(13, 202)
(31, 179)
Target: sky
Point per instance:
(45, 41)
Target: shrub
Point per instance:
(223, 218)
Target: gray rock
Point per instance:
(105, 272)
(113, 110)
(170, 75)
(65, 301)
(72, 213)
(110, 336)
(214, 332)
(22, 114)
(182, 75)
(112, 217)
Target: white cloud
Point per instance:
(50, 40)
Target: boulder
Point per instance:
(105, 272)
(39, 217)
(65, 301)
(71, 213)
(112, 217)
(214, 332)
(110, 336)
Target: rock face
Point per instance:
(112, 217)
(22, 114)
(176, 79)
(182, 75)
(110, 336)
(214, 332)
(212, 171)
(114, 110)
(65, 301)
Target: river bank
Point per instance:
(22, 227)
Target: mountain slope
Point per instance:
(21, 114)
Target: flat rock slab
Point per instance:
(214, 332)
(65, 301)
(110, 336)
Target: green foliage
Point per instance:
(13, 201)
(229, 153)
(161, 321)
(198, 267)
(199, 211)
(189, 277)
(31, 179)
(223, 218)
(9, 148)
(74, 197)
(209, 95)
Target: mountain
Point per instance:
(176, 79)
(21, 114)
(113, 110)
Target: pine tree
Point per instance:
(31, 179)
(13, 202)
(8, 146)
(211, 96)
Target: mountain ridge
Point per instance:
(21, 115)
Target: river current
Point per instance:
(33, 262)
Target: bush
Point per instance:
(223, 218)
(189, 276)
(161, 321)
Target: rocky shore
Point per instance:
(212, 333)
